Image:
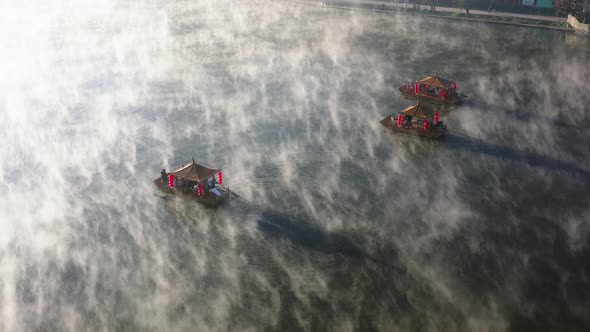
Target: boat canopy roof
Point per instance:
(436, 81)
(417, 111)
(195, 172)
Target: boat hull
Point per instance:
(408, 92)
(435, 133)
(208, 199)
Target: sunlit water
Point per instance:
(340, 225)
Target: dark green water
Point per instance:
(341, 225)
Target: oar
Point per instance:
(161, 195)
(229, 191)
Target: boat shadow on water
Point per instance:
(524, 116)
(531, 159)
(299, 231)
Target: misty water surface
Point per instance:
(341, 225)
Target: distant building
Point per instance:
(544, 3)
(538, 3)
(500, 4)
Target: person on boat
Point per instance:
(408, 121)
(164, 175)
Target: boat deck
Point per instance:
(408, 92)
(208, 198)
(434, 133)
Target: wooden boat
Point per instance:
(201, 183)
(434, 89)
(415, 120)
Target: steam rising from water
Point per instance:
(341, 225)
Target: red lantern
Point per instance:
(220, 177)
(200, 189)
(436, 117)
(400, 119)
(171, 180)
(454, 85)
(416, 88)
(443, 94)
(425, 124)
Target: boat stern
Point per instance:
(388, 121)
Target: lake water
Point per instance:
(340, 225)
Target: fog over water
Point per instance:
(340, 225)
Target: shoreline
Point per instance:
(394, 9)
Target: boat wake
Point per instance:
(466, 143)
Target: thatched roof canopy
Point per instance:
(436, 81)
(194, 172)
(417, 111)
